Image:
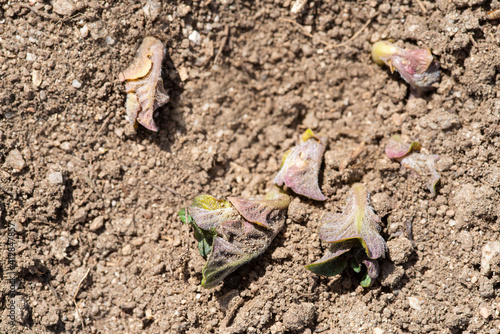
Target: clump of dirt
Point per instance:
(82, 192)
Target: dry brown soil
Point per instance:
(91, 205)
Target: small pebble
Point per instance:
(489, 251)
(109, 40)
(414, 303)
(56, 178)
(96, 224)
(485, 312)
(80, 215)
(15, 161)
(152, 9)
(30, 56)
(76, 84)
(84, 31)
(64, 7)
(127, 250)
(36, 77)
(195, 37)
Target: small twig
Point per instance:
(328, 45)
(206, 3)
(106, 122)
(223, 44)
(76, 294)
(52, 17)
(232, 311)
(160, 189)
(353, 36)
(409, 228)
(354, 154)
(422, 7)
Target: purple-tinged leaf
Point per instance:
(239, 242)
(301, 166)
(357, 221)
(262, 211)
(423, 165)
(208, 219)
(234, 240)
(416, 67)
(396, 148)
(372, 267)
(209, 212)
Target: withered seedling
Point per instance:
(231, 233)
(300, 167)
(353, 236)
(416, 67)
(144, 84)
(417, 163)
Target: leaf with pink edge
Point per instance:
(396, 148)
(357, 221)
(232, 240)
(417, 67)
(262, 211)
(300, 168)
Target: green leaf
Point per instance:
(204, 248)
(308, 134)
(355, 265)
(184, 216)
(329, 268)
(203, 237)
(366, 281)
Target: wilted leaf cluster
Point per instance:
(231, 233)
(417, 67)
(417, 163)
(353, 236)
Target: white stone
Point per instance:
(55, 178)
(109, 40)
(485, 312)
(414, 303)
(30, 57)
(84, 31)
(76, 84)
(195, 37)
(490, 250)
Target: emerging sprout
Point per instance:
(231, 233)
(417, 67)
(354, 236)
(144, 86)
(300, 167)
(418, 163)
